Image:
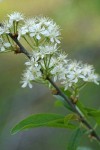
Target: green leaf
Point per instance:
(88, 109)
(75, 139)
(62, 125)
(58, 103)
(41, 120)
(94, 113)
(82, 108)
(69, 118)
(62, 101)
(84, 148)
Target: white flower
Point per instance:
(31, 74)
(62, 59)
(74, 65)
(41, 28)
(5, 27)
(67, 84)
(53, 33)
(4, 45)
(22, 31)
(45, 21)
(16, 16)
(58, 72)
(30, 22)
(47, 49)
(32, 63)
(76, 73)
(36, 31)
(74, 76)
(87, 69)
(4, 30)
(92, 78)
(95, 78)
(27, 78)
(1, 30)
(51, 62)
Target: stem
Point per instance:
(28, 42)
(73, 106)
(22, 49)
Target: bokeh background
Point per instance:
(80, 24)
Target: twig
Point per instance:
(22, 49)
(82, 119)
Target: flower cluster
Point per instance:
(47, 61)
(43, 35)
(41, 29)
(78, 73)
(9, 25)
(35, 31)
(38, 68)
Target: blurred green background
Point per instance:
(80, 24)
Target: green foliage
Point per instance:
(89, 112)
(95, 114)
(69, 118)
(84, 148)
(60, 100)
(82, 108)
(42, 120)
(75, 139)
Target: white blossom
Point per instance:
(67, 72)
(58, 72)
(46, 58)
(16, 16)
(45, 21)
(36, 31)
(30, 22)
(22, 31)
(27, 78)
(87, 69)
(47, 49)
(53, 33)
(1, 30)
(92, 78)
(4, 45)
(67, 84)
(32, 73)
(33, 63)
(76, 72)
(40, 28)
(5, 28)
